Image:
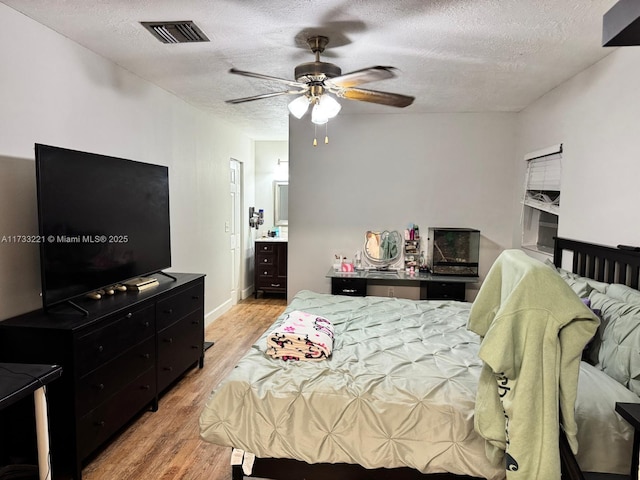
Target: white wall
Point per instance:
(595, 116)
(385, 171)
(55, 92)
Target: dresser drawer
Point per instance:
(264, 248)
(266, 260)
(179, 346)
(97, 386)
(173, 308)
(271, 283)
(99, 424)
(266, 271)
(119, 333)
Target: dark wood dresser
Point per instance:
(270, 266)
(116, 360)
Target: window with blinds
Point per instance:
(541, 198)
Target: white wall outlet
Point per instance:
(390, 292)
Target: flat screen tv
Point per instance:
(102, 220)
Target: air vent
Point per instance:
(175, 32)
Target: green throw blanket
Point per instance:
(534, 328)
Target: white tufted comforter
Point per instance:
(399, 390)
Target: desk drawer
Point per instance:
(354, 287)
(445, 290)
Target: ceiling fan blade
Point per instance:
(374, 96)
(291, 83)
(366, 75)
(265, 95)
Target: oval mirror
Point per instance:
(382, 248)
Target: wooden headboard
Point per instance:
(602, 263)
(605, 264)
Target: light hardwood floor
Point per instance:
(165, 445)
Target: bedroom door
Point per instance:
(235, 229)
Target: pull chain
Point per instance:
(315, 134)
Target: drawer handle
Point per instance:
(195, 322)
(168, 369)
(146, 356)
(349, 290)
(129, 315)
(265, 248)
(275, 284)
(266, 273)
(195, 297)
(146, 324)
(99, 423)
(100, 348)
(145, 387)
(168, 340)
(266, 260)
(99, 386)
(195, 347)
(169, 311)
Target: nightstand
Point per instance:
(270, 266)
(631, 413)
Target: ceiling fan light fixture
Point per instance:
(299, 106)
(330, 105)
(326, 107)
(317, 115)
(314, 80)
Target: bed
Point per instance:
(373, 406)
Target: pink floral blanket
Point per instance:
(301, 336)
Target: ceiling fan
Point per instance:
(313, 80)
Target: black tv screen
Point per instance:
(102, 220)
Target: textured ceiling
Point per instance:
(453, 55)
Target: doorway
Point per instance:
(235, 229)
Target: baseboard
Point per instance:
(247, 292)
(216, 312)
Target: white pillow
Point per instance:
(624, 293)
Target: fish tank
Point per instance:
(454, 251)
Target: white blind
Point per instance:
(543, 179)
(544, 173)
